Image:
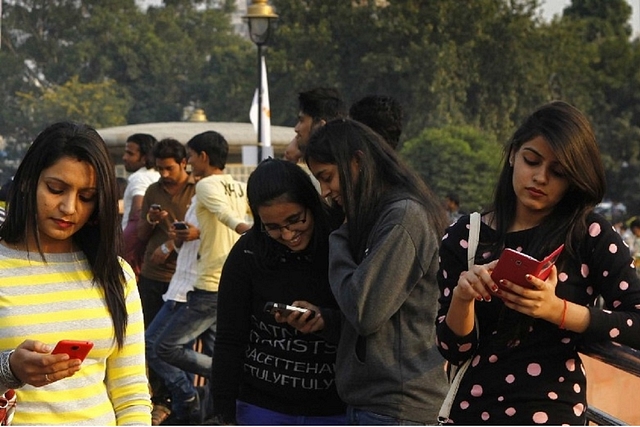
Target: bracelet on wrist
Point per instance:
(153, 223)
(564, 314)
(7, 377)
(165, 249)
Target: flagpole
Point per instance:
(260, 141)
(261, 18)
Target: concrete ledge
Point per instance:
(237, 134)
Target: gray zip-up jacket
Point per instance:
(387, 360)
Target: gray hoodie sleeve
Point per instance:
(371, 292)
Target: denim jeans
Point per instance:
(151, 292)
(151, 298)
(196, 318)
(179, 382)
(252, 415)
(367, 418)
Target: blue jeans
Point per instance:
(151, 292)
(179, 382)
(367, 418)
(196, 318)
(251, 415)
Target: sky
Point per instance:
(554, 7)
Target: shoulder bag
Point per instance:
(474, 237)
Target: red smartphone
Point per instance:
(75, 349)
(514, 266)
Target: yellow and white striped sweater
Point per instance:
(57, 300)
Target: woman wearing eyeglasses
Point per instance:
(265, 371)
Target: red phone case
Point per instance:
(75, 349)
(514, 266)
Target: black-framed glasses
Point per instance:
(276, 230)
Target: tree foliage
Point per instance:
(98, 104)
(165, 59)
(456, 159)
(480, 65)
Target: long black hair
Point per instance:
(101, 237)
(380, 172)
(570, 135)
(277, 181)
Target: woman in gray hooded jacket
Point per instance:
(382, 271)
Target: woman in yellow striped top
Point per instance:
(61, 278)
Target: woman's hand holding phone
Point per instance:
(528, 284)
(75, 349)
(538, 299)
(305, 322)
(33, 363)
(476, 284)
(514, 266)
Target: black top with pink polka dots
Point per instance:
(527, 371)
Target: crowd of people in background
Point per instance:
(334, 287)
(626, 225)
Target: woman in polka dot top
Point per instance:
(525, 368)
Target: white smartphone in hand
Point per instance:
(286, 309)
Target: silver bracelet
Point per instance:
(7, 378)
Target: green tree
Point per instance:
(458, 159)
(614, 102)
(97, 104)
(167, 58)
(603, 18)
(171, 57)
(485, 64)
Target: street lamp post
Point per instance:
(261, 19)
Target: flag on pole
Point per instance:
(266, 110)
